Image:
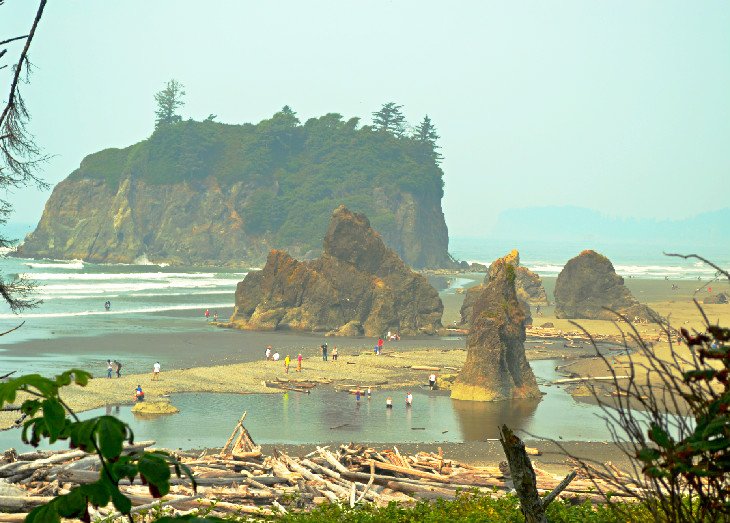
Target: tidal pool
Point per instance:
(206, 419)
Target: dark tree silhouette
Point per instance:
(390, 119)
(169, 100)
(19, 155)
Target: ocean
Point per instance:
(156, 298)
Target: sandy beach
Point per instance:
(225, 360)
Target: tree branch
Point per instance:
(21, 60)
(13, 39)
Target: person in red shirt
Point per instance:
(380, 345)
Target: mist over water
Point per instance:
(547, 258)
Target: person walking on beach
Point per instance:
(432, 381)
(324, 352)
(109, 368)
(287, 361)
(268, 353)
(119, 368)
(409, 400)
(334, 353)
(156, 371)
(299, 362)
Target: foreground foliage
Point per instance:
(467, 507)
(104, 436)
(676, 432)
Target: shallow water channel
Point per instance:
(206, 419)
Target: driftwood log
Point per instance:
(524, 479)
(267, 485)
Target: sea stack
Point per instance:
(528, 286)
(357, 287)
(589, 288)
(496, 367)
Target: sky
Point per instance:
(616, 106)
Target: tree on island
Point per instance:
(19, 155)
(425, 133)
(390, 119)
(169, 100)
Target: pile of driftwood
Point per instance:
(266, 485)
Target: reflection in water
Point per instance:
(479, 420)
(326, 416)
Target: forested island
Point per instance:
(204, 192)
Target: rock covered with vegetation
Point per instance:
(528, 285)
(154, 408)
(212, 193)
(588, 287)
(496, 367)
(358, 286)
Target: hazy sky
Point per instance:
(623, 107)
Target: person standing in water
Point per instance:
(409, 400)
(207, 314)
(389, 403)
(357, 395)
(369, 393)
(432, 381)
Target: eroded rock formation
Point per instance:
(588, 287)
(528, 285)
(357, 287)
(496, 367)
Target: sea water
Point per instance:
(325, 415)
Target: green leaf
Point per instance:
(81, 434)
(121, 502)
(44, 514)
(55, 416)
(110, 434)
(98, 493)
(157, 473)
(71, 505)
(648, 455)
(659, 436)
(124, 468)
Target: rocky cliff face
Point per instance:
(357, 287)
(588, 285)
(208, 193)
(528, 285)
(496, 367)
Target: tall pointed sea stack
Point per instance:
(357, 287)
(496, 367)
(528, 285)
(588, 287)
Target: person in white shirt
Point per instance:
(268, 353)
(409, 400)
(432, 381)
(276, 356)
(156, 371)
